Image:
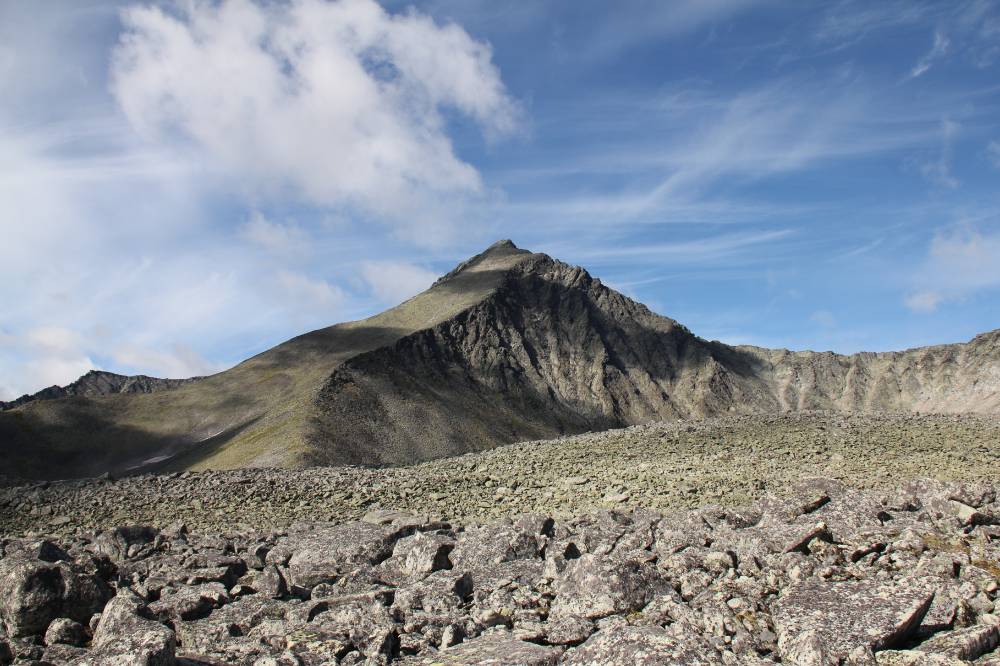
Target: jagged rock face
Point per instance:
(942, 378)
(901, 578)
(551, 351)
(99, 382)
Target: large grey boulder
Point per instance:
(323, 553)
(820, 622)
(968, 643)
(125, 635)
(594, 586)
(497, 649)
(416, 556)
(35, 592)
(127, 541)
(65, 631)
(641, 646)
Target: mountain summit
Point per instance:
(510, 345)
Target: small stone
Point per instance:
(65, 631)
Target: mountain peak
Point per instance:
(503, 244)
(500, 255)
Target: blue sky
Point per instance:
(183, 185)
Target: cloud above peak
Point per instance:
(340, 104)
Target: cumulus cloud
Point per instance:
(395, 281)
(340, 103)
(960, 264)
(188, 184)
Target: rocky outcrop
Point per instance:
(97, 383)
(894, 578)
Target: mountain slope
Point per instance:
(256, 413)
(510, 345)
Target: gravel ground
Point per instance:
(729, 461)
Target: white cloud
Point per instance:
(700, 251)
(309, 292)
(178, 362)
(938, 51)
(58, 371)
(695, 141)
(130, 252)
(53, 340)
(339, 103)
(48, 355)
(275, 237)
(960, 264)
(923, 301)
(396, 281)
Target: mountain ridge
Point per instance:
(99, 382)
(510, 345)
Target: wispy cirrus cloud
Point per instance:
(850, 20)
(939, 170)
(938, 51)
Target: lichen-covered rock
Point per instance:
(497, 649)
(35, 592)
(594, 586)
(417, 555)
(440, 592)
(189, 602)
(125, 635)
(915, 658)
(367, 628)
(642, 646)
(480, 549)
(65, 631)
(568, 630)
(322, 553)
(824, 621)
(969, 643)
(712, 585)
(124, 542)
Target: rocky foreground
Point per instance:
(814, 574)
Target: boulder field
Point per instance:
(813, 573)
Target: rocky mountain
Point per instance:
(99, 382)
(511, 345)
